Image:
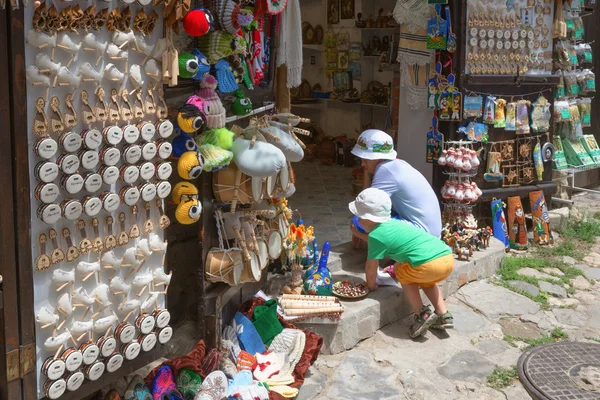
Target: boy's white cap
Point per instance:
(374, 144)
(372, 204)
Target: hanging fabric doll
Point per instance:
(523, 117)
(500, 116)
(511, 117)
(490, 107)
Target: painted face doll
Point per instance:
(519, 228)
(456, 103)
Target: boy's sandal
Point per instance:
(445, 321)
(422, 322)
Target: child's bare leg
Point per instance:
(434, 294)
(411, 291)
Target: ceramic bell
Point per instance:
(451, 156)
(459, 196)
(466, 167)
(444, 190)
(442, 159)
(474, 159)
(469, 195)
(477, 190)
(458, 162)
(451, 190)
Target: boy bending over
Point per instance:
(422, 260)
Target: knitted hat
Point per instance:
(216, 45)
(190, 165)
(197, 22)
(215, 158)
(217, 137)
(242, 104)
(245, 361)
(228, 13)
(265, 321)
(290, 342)
(163, 384)
(188, 65)
(190, 118)
(276, 6)
(211, 362)
(203, 65)
(216, 112)
(198, 103)
(188, 383)
(183, 143)
(215, 386)
(137, 389)
(230, 336)
(226, 364)
(225, 77)
(184, 189)
(188, 211)
(268, 365)
(247, 335)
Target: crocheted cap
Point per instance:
(216, 45)
(247, 335)
(228, 13)
(215, 117)
(225, 77)
(290, 342)
(188, 382)
(268, 364)
(188, 65)
(197, 22)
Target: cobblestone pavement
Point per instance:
(493, 326)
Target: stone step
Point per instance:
(362, 318)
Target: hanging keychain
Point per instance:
(435, 143)
(451, 43)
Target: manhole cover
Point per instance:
(562, 371)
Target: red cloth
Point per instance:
(312, 346)
(192, 360)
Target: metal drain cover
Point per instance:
(562, 371)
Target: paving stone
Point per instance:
(484, 393)
(469, 366)
(519, 329)
(592, 273)
(526, 287)
(567, 260)
(494, 301)
(585, 297)
(554, 290)
(553, 271)
(534, 273)
(516, 392)
(504, 354)
(359, 377)
(581, 267)
(314, 383)
(580, 283)
(592, 259)
(535, 318)
(594, 321)
(555, 302)
(570, 317)
(467, 320)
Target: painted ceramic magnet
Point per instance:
(473, 107)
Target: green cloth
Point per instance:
(265, 321)
(188, 383)
(403, 242)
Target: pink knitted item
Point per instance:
(215, 114)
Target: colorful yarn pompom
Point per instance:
(190, 165)
(215, 158)
(222, 137)
(197, 22)
(188, 65)
(188, 211)
(184, 189)
(183, 143)
(190, 118)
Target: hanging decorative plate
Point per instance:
(319, 34)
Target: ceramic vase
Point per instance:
(451, 190)
(474, 159)
(499, 222)
(517, 227)
(451, 157)
(541, 219)
(442, 160)
(459, 196)
(319, 282)
(458, 162)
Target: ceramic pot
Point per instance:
(442, 160)
(459, 196)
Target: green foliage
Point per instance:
(586, 230)
(567, 247)
(557, 335)
(502, 377)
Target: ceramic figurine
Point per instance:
(442, 160)
(459, 195)
(467, 166)
(474, 159)
(516, 222)
(458, 162)
(319, 283)
(451, 190)
(541, 219)
(451, 157)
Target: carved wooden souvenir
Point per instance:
(97, 243)
(525, 148)
(150, 102)
(101, 106)
(126, 109)
(123, 238)
(85, 245)
(134, 232)
(57, 124)
(110, 242)
(526, 174)
(162, 110)
(89, 116)
(149, 224)
(58, 255)
(42, 262)
(510, 175)
(114, 110)
(72, 251)
(70, 117)
(40, 122)
(517, 227)
(138, 105)
(508, 151)
(541, 219)
(163, 221)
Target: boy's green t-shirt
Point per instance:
(403, 242)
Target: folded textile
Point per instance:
(266, 323)
(285, 391)
(192, 361)
(291, 343)
(268, 365)
(188, 383)
(249, 338)
(245, 361)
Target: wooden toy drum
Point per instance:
(257, 188)
(252, 271)
(131, 350)
(90, 352)
(274, 244)
(162, 317)
(94, 370)
(224, 266)
(125, 332)
(55, 389)
(263, 253)
(113, 362)
(74, 381)
(53, 368)
(107, 345)
(147, 341)
(227, 180)
(282, 225)
(72, 358)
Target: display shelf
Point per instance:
(313, 47)
(516, 79)
(571, 171)
(504, 192)
(391, 28)
(338, 102)
(254, 112)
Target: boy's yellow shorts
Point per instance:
(425, 275)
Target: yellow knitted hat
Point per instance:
(190, 165)
(184, 189)
(188, 211)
